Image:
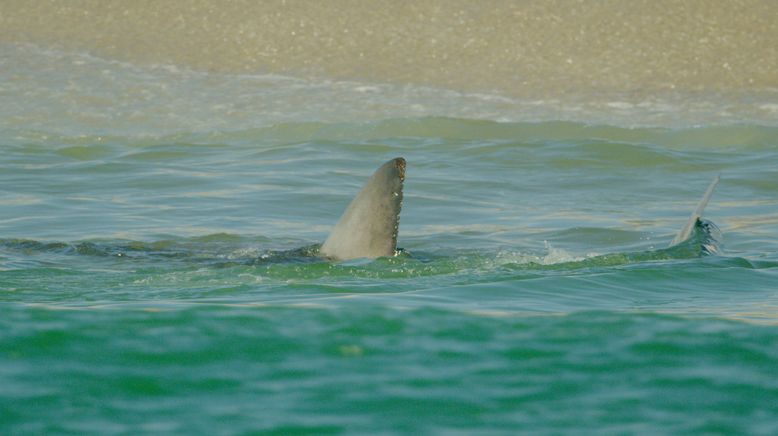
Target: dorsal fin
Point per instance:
(686, 231)
(368, 226)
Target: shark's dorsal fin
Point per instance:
(368, 226)
(689, 227)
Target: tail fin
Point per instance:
(689, 227)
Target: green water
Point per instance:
(157, 276)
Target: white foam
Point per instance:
(552, 256)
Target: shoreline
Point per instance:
(554, 49)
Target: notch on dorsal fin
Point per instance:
(686, 231)
(368, 226)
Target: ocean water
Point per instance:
(159, 221)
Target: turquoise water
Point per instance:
(157, 271)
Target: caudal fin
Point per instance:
(687, 230)
(368, 226)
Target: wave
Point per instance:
(427, 130)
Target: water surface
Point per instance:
(159, 222)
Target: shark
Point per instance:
(369, 225)
(368, 229)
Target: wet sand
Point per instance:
(520, 49)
